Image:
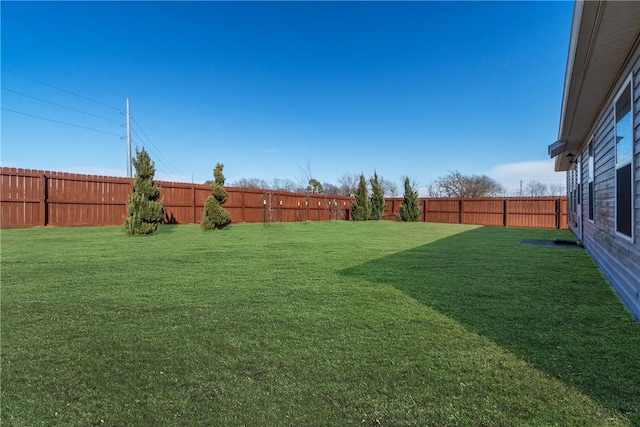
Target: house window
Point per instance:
(591, 176)
(624, 161)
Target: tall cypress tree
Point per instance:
(410, 207)
(377, 198)
(214, 216)
(361, 207)
(144, 209)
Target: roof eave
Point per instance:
(602, 36)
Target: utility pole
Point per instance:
(129, 174)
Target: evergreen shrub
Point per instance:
(410, 207)
(361, 207)
(215, 216)
(144, 210)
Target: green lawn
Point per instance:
(311, 324)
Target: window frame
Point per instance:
(579, 200)
(627, 85)
(573, 189)
(591, 180)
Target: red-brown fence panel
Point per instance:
(391, 208)
(179, 202)
(75, 199)
(482, 211)
(21, 197)
(541, 212)
(446, 210)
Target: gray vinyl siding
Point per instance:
(617, 256)
(636, 147)
(605, 172)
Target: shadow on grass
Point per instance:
(550, 306)
(166, 229)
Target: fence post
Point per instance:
(504, 212)
(460, 211)
(244, 206)
(557, 203)
(43, 201)
(193, 201)
(424, 210)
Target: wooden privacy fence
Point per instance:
(540, 212)
(38, 198)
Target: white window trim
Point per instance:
(591, 178)
(628, 81)
(579, 191)
(573, 188)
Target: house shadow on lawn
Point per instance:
(550, 306)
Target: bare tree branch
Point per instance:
(456, 184)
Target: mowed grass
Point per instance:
(316, 324)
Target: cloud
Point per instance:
(510, 175)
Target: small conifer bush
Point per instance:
(361, 207)
(410, 207)
(144, 210)
(377, 198)
(214, 216)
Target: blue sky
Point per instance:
(274, 88)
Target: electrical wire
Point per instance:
(59, 105)
(162, 167)
(155, 152)
(60, 89)
(168, 162)
(58, 121)
(145, 134)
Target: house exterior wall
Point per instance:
(617, 256)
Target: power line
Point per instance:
(167, 165)
(147, 136)
(128, 125)
(59, 105)
(60, 89)
(157, 154)
(163, 168)
(58, 121)
(140, 126)
(157, 149)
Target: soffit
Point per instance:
(607, 33)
